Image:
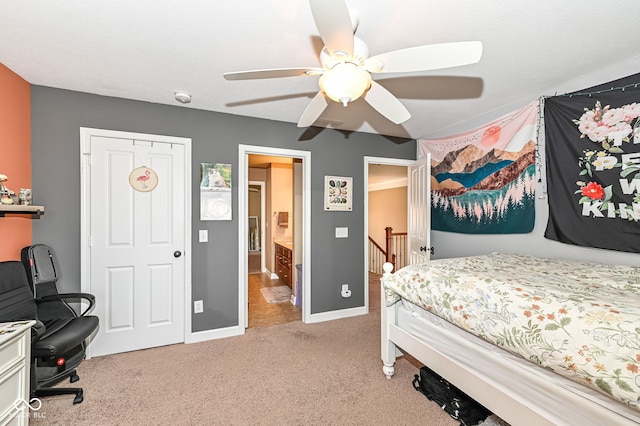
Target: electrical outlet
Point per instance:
(198, 307)
(345, 292)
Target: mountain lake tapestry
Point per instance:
(483, 181)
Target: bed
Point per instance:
(536, 341)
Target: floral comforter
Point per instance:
(581, 320)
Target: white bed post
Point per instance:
(387, 314)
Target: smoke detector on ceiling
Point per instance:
(183, 97)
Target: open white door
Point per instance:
(419, 210)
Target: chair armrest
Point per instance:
(37, 330)
(64, 296)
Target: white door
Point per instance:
(419, 210)
(137, 243)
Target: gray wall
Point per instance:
(57, 116)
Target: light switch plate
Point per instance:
(203, 235)
(342, 232)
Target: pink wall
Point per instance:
(15, 157)
(387, 207)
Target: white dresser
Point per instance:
(15, 348)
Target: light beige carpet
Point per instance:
(293, 374)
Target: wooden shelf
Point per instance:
(35, 211)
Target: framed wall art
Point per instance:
(143, 179)
(338, 193)
(215, 191)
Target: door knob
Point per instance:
(177, 253)
(423, 248)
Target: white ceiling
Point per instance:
(147, 49)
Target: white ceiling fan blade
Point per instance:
(334, 25)
(424, 58)
(271, 73)
(386, 104)
(313, 110)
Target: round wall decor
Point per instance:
(143, 179)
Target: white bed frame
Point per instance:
(519, 395)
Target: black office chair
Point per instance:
(58, 344)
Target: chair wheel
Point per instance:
(74, 378)
(78, 399)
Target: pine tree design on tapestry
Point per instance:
(489, 198)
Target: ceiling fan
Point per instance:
(346, 69)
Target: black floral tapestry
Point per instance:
(592, 140)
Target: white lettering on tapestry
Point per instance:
(623, 210)
(607, 162)
(618, 136)
(589, 208)
(629, 187)
(629, 160)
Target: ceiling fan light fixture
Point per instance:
(331, 59)
(345, 83)
(346, 69)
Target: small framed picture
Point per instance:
(215, 191)
(338, 193)
(143, 179)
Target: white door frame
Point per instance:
(85, 204)
(367, 162)
(243, 226)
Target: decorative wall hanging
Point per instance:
(483, 181)
(143, 179)
(338, 193)
(215, 191)
(592, 141)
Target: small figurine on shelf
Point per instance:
(6, 195)
(24, 196)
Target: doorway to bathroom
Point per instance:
(273, 297)
(275, 221)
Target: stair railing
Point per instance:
(395, 251)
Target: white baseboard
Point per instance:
(218, 333)
(333, 315)
(272, 275)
